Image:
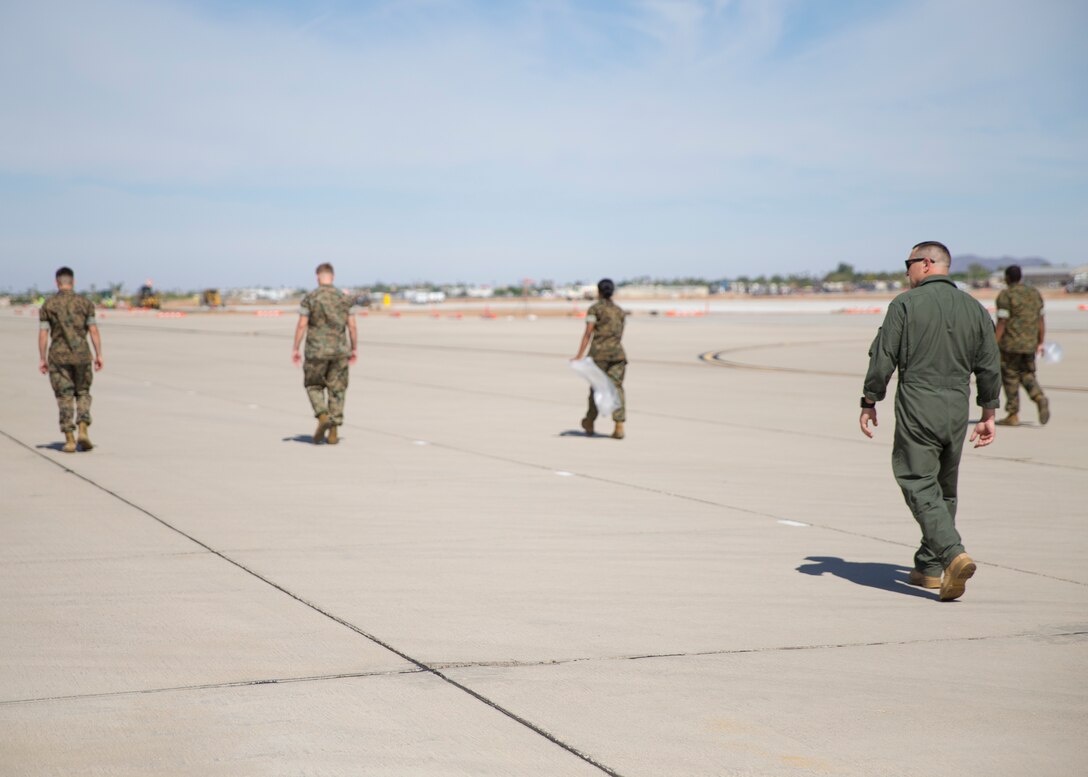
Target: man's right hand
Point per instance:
(985, 430)
(43, 367)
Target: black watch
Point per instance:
(866, 404)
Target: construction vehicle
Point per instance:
(211, 298)
(147, 298)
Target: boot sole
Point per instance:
(957, 585)
(319, 434)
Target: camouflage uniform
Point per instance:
(327, 350)
(607, 352)
(936, 336)
(68, 317)
(1021, 308)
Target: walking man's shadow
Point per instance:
(886, 577)
(306, 438)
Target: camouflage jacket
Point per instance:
(1021, 308)
(607, 319)
(68, 317)
(327, 309)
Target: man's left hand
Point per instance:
(867, 414)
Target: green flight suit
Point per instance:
(936, 336)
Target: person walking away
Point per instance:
(603, 336)
(1021, 330)
(935, 335)
(327, 322)
(66, 320)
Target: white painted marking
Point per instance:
(785, 522)
(564, 474)
(420, 442)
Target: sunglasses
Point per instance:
(909, 262)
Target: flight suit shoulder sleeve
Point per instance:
(884, 352)
(987, 364)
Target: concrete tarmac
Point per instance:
(468, 585)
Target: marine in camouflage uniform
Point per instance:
(1021, 330)
(327, 322)
(603, 335)
(66, 320)
(935, 335)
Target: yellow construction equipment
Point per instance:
(211, 298)
(147, 298)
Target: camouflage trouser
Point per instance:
(321, 375)
(615, 371)
(1017, 368)
(72, 388)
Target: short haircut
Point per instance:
(66, 272)
(324, 267)
(1013, 273)
(605, 287)
(938, 253)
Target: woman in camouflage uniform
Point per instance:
(604, 330)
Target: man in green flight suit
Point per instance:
(936, 336)
(1021, 330)
(604, 330)
(324, 315)
(67, 319)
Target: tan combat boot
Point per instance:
(954, 582)
(1044, 410)
(322, 425)
(618, 433)
(1012, 419)
(587, 425)
(69, 442)
(923, 581)
(85, 443)
(333, 436)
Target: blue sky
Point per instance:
(234, 143)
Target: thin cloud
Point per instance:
(698, 125)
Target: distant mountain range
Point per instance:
(963, 261)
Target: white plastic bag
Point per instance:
(1052, 353)
(605, 395)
